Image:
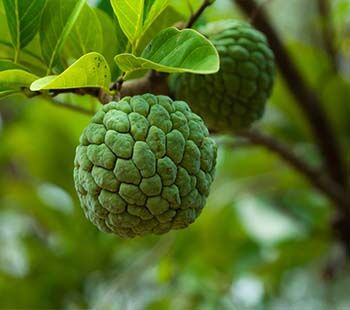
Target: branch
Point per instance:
(306, 98)
(315, 177)
(155, 83)
(71, 107)
(327, 32)
(198, 13)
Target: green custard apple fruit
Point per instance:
(233, 98)
(144, 165)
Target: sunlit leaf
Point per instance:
(57, 21)
(16, 78)
(23, 18)
(174, 50)
(91, 70)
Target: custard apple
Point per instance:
(144, 165)
(234, 97)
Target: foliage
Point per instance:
(64, 38)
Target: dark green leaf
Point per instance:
(8, 64)
(23, 18)
(110, 43)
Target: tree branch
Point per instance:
(306, 98)
(198, 13)
(71, 107)
(315, 177)
(327, 32)
(154, 82)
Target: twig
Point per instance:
(316, 178)
(198, 13)
(71, 107)
(306, 98)
(154, 82)
(341, 220)
(327, 32)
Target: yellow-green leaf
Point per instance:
(16, 79)
(90, 70)
(130, 17)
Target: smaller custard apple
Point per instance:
(144, 165)
(233, 98)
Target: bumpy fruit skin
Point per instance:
(234, 97)
(144, 165)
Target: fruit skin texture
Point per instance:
(235, 97)
(144, 165)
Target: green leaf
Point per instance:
(86, 35)
(23, 18)
(166, 19)
(130, 17)
(15, 79)
(105, 6)
(57, 21)
(147, 7)
(121, 39)
(174, 50)
(110, 42)
(8, 64)
(29, 55)
(91, 70)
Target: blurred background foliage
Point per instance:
(262, 241)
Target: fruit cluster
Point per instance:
(145, 164)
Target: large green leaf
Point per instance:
(16, 79)
(86, 35)
(130, 17)
(23, 18)
(166, 19)
(30, 55)
(174, 50)
(110, 42)
(91, 70)
(57, 21)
